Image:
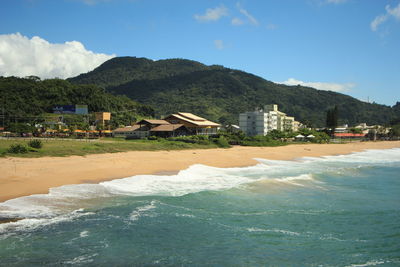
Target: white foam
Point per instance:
(81, 259)
(285, 232)
(142, 211)
(368, 263)
(35, 223)
(84, 234)
(292, 179)
(197, 178)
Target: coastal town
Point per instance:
(261, 122)
(200, 133)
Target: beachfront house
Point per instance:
(141, 129)
(127, 132)
(179, 124)
(195, 124)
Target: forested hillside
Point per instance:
(220, 93)
(26, 97)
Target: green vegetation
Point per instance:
(274, 138)
(25, 102)
(222, 142)
(219, 141)
(35, 143)
(17, 149)
(395, 131)
(220, 94)
(332, 118)
(61, 148)
(355, 130)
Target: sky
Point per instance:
(347, 46)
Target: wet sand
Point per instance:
(27, 176)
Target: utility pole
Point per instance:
(2, 110)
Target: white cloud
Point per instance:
(251, 19)
(378, 21)
(21, 56)
(237, 22)
(336, 87)
(219, 44)
(212, 14)
(390, 12)
(395, 12)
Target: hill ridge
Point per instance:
(220, 93)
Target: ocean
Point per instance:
(329, 211)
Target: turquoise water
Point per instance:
(330, 211)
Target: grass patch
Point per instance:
(62, 148)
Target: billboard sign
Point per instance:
(71, 109)
(81, 109)
(64, 109)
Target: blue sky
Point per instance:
(350, 46)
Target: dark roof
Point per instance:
(167, 128)
(159, 122)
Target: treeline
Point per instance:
(27, 99)
(220, 94)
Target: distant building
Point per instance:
(342, 129)
(179, 124)
(102, 118)
(231, 128)
(260, 122)
(378, 128)
(127, 132)
(71, 109)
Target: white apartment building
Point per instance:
(260, 122)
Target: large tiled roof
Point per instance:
(191, 116)
(193, 119)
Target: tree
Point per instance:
(332, 116)
(356, 130)
(395, 130)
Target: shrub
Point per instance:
(152, 137)
(35, 143)
(222, 142)
(17, 149)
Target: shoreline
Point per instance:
(28, 176)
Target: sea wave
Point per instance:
(197, 178)
(35, 223)
(142, 211)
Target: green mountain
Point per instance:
(22, 99)
(220, 94)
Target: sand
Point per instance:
(27, 176)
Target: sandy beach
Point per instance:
(27, 176)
